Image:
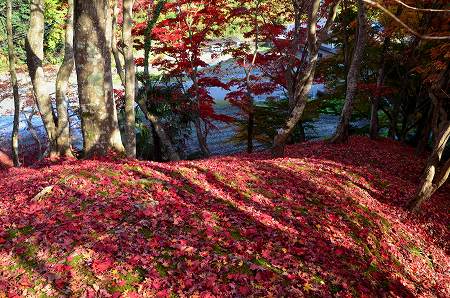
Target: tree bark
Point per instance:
(142, 100)
(306, 78)
(130, 79)
(163, 137)
(35, 55)
(15, 86)
(374, 121)
(93, 31)
(341, 134)
(62, 81)
(436, 172)
(115, 50)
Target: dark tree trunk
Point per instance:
(15, 86)
(301, 127)
(93, 28)
(62, 81)
(201, 136)
(35, 55)
(341, 134)
(157, 154)
(374, 121)
(251, 120)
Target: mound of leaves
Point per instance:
(326, 220)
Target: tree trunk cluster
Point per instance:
(305, 78)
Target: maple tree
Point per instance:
(358, 216)
(181, 38)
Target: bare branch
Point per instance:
(422, 9)
(384, 9)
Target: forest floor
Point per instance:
(326, 220)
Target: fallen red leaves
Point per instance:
(325, 220)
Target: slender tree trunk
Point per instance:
(142, 100)
(251, 114)
(392, 132)
(304, 82)
(130, 77)
(157, 154)
(374, 121)
(62, 81)
(424, 137)
(201, 136)
(341, 134)
(436, 172)
(35, 55)
(15, 86)
(251, 124)
(115, 50)
(93, 65)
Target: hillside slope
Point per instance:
(327, 220)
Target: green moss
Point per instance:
(236, 235)
(335, 288)
(265, 264)
(146, 232)
(318, 280)
(89, 175)
(24, 231)
(161, 270)
(219, 250)
(76, 260)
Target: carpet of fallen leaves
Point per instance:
(326, 220)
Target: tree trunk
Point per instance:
(142, 100)
(114, 48)
(304, 82)
(163, 137)
(15, 86)
(374, 121)
(341, 134)
(130, 77)
(93, 65)
(436, 172)
(35, 55)
(201, 137)
(62, 81)
(424, 136)
(157, 154)
(251, 124)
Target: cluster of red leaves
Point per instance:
(326, 220)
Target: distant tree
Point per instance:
(180, 38)
(92, 39)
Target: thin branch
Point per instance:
(422, 9)
(384, 9)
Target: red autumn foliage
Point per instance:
(325, 220)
